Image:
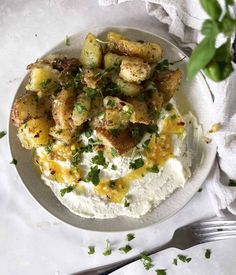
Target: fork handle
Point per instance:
(106, 269)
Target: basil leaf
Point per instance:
(223, 53)
(201, 56)
(210, 28)
(218, 71)
(212, 8)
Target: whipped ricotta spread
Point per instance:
(136, 191)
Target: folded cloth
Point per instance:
(184, 19)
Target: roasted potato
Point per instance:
(81, 109)
(168, 82)
(149, 52)
(140, 112)
(62, 108)
(43, 79)
(91, 53)
(64, 135)
(34, 132)
(112, 59)
(29, 106)
(126, 88)
(134, 70)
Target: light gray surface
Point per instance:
(31, 239)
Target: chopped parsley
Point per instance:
(152, 128)
(136, 164)
(153, 169)
(76, 158)
(146, 260)
(68, 189)
(67, 41)
(130, 237)
(2, 134)
(232, 183)
(114, 167)
(88, 132)
(90, 93)
(14, 161)
(112, 184)
(184, 258)
(77, 80)
(107, 250)
(114, 152)
(207, 253)
(169, 107)
(125, 249)
(80, 108)
(91, 250)
(99, 159)
(175, 261)
(43, 84)
(160, 271)
(200, 190)
(93, 175)
(111, 103)
(173, 117)
(163, 65)
(58, 132)
(86, 149)
(48, 148)
(146, 143)
(126, 203)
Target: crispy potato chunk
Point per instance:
(62, 109)
(90, 79)
(34, 133)
(155, 101)
(43, 79)
(112, 59)
(140, 114)
(134, 70)
(150, 52)
(28, 106)
(126, 88)
(122, 142)
(64, 135)
(168, 82)
(81, 109)
(91, 53)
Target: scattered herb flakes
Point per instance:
(169, 107)
(232, 183)
(175, 261)
(48, 148)
(14, 161)
(111, 103)
(125, 249)
(86, 149)
(88, 132)
(130, 237)
(114, 152)
(153, 169)
(99, 159)
(146, 260)
(76, 158)
(173, 117)
(114, 167)
(93, 175)
(2, 134)
(136, 163)
(163, 65)
(58, 132)
(137, 132)
(146, 143)
(80, 108)
(43, 84)
(91, 250)
(200, 190)
(90, 93)
(207, 253)
(68, 189)
(152, 128)
(112, 184)
(126, 203)
(184, 259)
(107, 250)
(161, 271)
(77, 80)
(67, 40)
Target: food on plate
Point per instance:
(106, 132)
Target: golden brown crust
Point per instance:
(140, 114)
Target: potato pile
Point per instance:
(115, 88)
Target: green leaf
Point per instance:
(130, 237)
(107, 250)
(14, 161)
(218, 71)
(152, 128)
(210, 28)
(80, 108)
(212, 8)
(125, 249)
(68, 189)
(91, 250)
(76, 158)
(136, 164)
(146, 260)
(126, 203)
(232, 183)
(169, 107)
(207, 253)
(153, 169)
(90, 93)
(160, 271)
(114, 167)
(93, 175)
(2, 134)
(48, 148)
(184, 259)
(201, 56)
(228, 25)
(229, 2)
(223, 53)
(175, 261)
(99, 159)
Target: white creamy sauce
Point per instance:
(144, 193)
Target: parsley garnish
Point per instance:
(86, 149)
(45, 83)
(125, 249)
(107, 250)
(93, 175)
(114, 167)
(68, 189)
(163, 65)
(14, 161)
(91, 250)
(136, 164)
(2, 134)
(146, 143)
(130, 237)
(169, 107)
(58, 132)
(114, 152)
(232, 183)
(77, 80)
(76, 158)
(175, 261)
(152, 128)
(173, 117)
(160, 271)
(200, 190)
(88, 132)
(48, 148)
(126, 203)
(67, 41)
(111, 103)
(112, 184)
(90, 93)
(153, 169)
(207, 253)
(99, 159)
(80, 108)
(184, 258)
(146, 260)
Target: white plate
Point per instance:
(194, 96)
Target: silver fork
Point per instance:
(183, 238)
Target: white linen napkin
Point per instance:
(184, 19)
